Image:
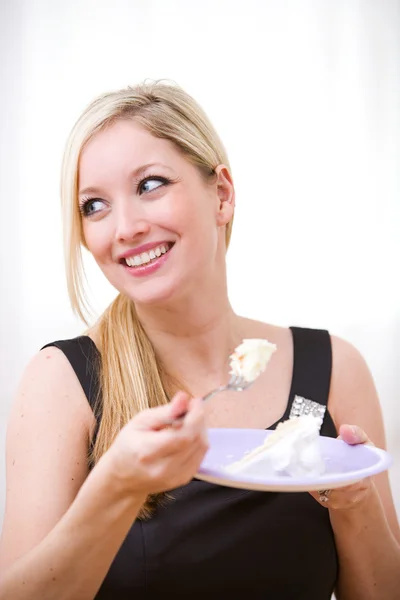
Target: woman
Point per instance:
(147, 189)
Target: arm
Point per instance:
(72, 560)
(63, 526)
(363, 516)
(47, 440)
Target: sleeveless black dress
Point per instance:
(216, 542)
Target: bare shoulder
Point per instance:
(353, 396)
(46, 451)
(280, 372)
(50, 390)
(281, 336)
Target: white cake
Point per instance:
(292, 449)
(250, 358)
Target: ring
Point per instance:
(324, 495)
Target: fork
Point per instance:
(235, 384)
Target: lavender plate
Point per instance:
(344, 464)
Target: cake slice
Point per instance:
(292, 449)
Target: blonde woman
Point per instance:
(147, 189)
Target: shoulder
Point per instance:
(281, 369)
(353, 397)
(82, 346)
(281, 336)
(50, 412)
(49, 385)
(351, 375)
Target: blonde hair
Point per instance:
(131, 375)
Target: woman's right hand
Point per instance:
(147, 457)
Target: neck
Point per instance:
(194, 338)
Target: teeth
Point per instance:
(146, 257)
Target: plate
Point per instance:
(344, 464)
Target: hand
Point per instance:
(149, 458)
(351, 495)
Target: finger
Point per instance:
(192, 429)
(155, 418)
(167, 441)
(194, 408)
(317, 496)
(179, 408)
(194, 421)
(352, 434)
(190, 404)
(180, 404)
(344, 497)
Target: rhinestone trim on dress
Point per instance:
(304, 406)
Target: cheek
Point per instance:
(201, 221)
(97, 240)
(192, 212)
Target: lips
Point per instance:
(142, 248)
(143, 258)
(146, 263)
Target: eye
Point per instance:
(152, 183)
(90, 206)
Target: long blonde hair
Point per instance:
(131, 374)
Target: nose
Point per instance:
(130, 221)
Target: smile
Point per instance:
(145, 258)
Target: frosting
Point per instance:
(250, 358)
(292, 449)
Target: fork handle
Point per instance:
(222, 388)
(175, 422)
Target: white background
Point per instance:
(305, 95)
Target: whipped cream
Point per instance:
(250, 358)
(293, 449)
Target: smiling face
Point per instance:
(153, 222)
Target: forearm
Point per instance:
(73, 559)
(369, 554)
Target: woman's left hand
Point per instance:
(350, 496)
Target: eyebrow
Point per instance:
(134, 174)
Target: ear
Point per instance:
(226, 195)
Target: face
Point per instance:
(153, 223)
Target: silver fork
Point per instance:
(235, 384)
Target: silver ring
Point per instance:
(324, 495)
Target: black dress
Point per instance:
(216, 542)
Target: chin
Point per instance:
(154, 293)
